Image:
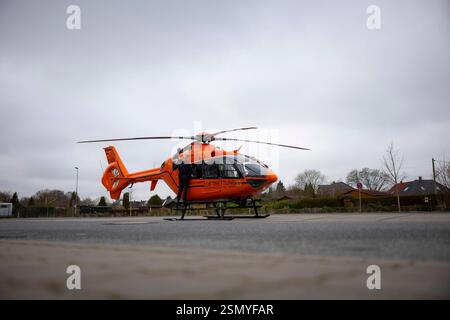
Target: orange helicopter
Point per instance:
(218, 177)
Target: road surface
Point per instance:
(284, 256)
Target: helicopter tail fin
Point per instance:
(115, 178)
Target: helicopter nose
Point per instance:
(272, 177)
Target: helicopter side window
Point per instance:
(241, 169)
(210, 171)
(197, 170)
(228, 171)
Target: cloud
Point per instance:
(310, 71)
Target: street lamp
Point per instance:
(130, 194)
(76, 192)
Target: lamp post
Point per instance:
(76, 192)
(130, 194)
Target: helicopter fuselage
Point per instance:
(217, 174)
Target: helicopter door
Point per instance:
(206, 179)
(230, 179)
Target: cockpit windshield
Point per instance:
(251, 167)
(247, 166)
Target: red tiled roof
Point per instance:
(399, 186)
(368, 192)
(373, 192)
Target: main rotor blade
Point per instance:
(238, 129)
(262, 142)
(137, 138)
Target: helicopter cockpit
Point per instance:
(231, 166)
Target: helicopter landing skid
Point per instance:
(196, 219)
(239, 216)
(219, 206)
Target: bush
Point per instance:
(42, 212)
(315, 203)
(155, 201)
(377, 204)
(307, 205)
(102, 202)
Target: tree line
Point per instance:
(60, 199)
(374, 179)
(306, 183)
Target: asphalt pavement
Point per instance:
(407, 236)
(285, 256)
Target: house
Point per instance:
(400, 186)
(364, 194)
(285, 197)
(169, 203)
(418, 187)
(351, 195)
(94, 209)
(138, 203)
(334, 189)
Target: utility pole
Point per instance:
(442, 173)
(76, 193)
(434, 181)
(434, 175)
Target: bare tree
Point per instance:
(443, 177)
(87, 202)
(372, 179)
(393, 164)
(309, 178)
(5, 196)
(57, 197)
(443, 172)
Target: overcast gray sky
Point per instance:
(305, 72)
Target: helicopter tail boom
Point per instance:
(116, 176)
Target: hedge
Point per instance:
(382, 203)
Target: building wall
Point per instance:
(5, 209)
